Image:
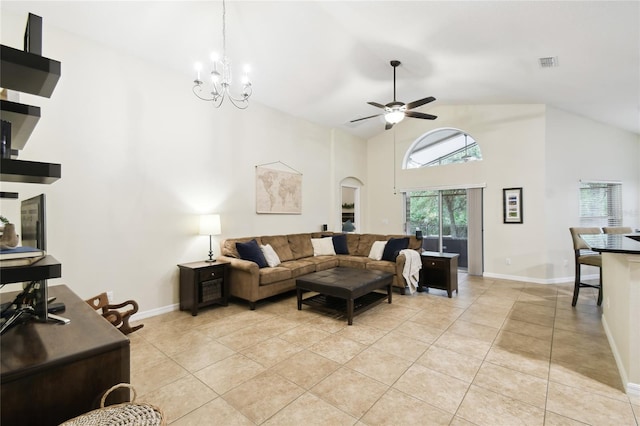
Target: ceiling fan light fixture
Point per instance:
(394, 117)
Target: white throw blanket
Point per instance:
(412, 266)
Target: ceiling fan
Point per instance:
(395, 112)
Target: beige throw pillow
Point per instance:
(323, 246)
(270, 255)
(377, 249)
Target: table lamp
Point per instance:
(210, 225)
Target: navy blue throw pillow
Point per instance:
(340, 244)
(393, 247)
(251, 251)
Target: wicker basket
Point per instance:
(125, 414)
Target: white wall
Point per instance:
(542, 150)
(582, 149)
(142, 157)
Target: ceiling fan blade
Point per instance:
(387, 126)
(375, 104)
(415, 114)
(416, 104)
(364, 118)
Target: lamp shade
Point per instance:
(210, 224)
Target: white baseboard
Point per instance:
(560, 280)
(527, 279)
(153, 312)
(632, 389)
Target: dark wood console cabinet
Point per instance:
(439, 270)
(51, 372)
(203, 284)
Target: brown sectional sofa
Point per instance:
(251, 283)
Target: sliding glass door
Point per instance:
(444, 216)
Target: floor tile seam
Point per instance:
(499, 395)
(222, 395)
(542, 341)
(167, 355)
(544, 407)
(418, 401)
(312, 386)
(143, 396)
(310, 391)
(140, 397)
(592, 391)
(484, 359)
(306, 391)
(599, 336)
(199, 407)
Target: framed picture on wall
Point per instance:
(512, 205)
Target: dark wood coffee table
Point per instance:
(340, 288)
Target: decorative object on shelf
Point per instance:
(418, 234)
(9, 237)
(348, 205)
(512, 205)
(6, 138)
(210, 225)
(220, 86)
(348, 226)
(278, 191)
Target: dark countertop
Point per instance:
(614, 243)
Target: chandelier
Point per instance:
(219, 86)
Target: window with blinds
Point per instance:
(600, 204)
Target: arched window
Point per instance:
(442, 146)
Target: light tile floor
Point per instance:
(498, 353)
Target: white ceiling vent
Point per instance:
(549, 62)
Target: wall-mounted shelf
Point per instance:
(29, 73)
(44, 269)
(23, 119)
(29, 171)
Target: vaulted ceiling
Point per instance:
(323, 60)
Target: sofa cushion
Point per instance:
(352, 243)
(299, 267)
(323, 246)
(323, 262)
(393, 247)
(340, 244)
(349, 261)
(280, 244)
(270, 255)
(365, 243)
(377, 249)
(251, 251)
(274, 275)
(300, 245)
(382, 265)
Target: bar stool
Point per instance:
(585, 259)
(616, 230)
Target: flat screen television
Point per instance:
(33, 222)
(33, 225)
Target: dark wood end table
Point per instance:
(203, 284)
(439, 270)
